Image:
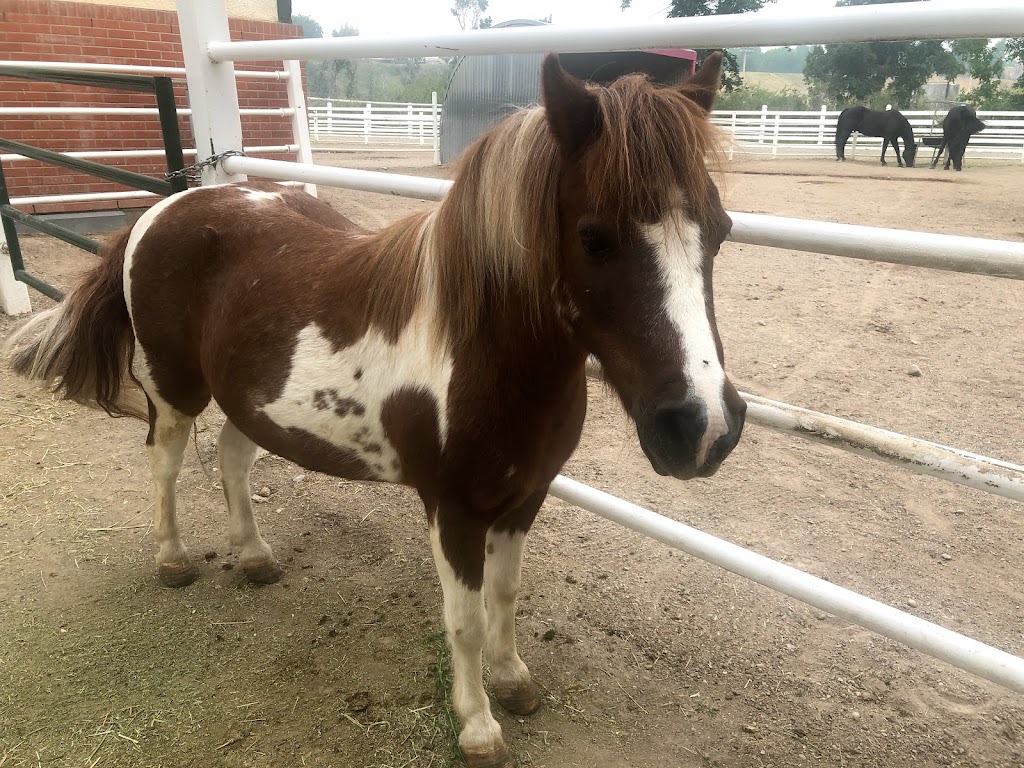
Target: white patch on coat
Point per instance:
(680, 249)
(324, 397)
(258, 196)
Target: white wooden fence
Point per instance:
(791, 133)
(345, 121)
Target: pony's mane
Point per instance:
(493, 243)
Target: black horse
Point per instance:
(958, 126)
(890, 125)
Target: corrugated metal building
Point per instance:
(484, 89)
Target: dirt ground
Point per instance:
(647, 657)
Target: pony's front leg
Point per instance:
(510, 677)
(458, 543)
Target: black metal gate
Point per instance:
(162, 88)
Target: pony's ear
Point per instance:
(703, 86)
(573, 112)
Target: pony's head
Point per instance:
(909, 152)
(640, 222)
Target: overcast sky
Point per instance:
(410, 17)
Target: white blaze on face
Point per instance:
(680, 252)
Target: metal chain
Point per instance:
(193, 173)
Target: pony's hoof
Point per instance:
(265, 572)
(177, 574)
(524, 700)
(494, 758)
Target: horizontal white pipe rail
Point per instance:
(349, 178)
(59, 111)
(921, 456)
(938, 20)
(90, 197)
(84, 197)
(924, 457)
(135, 69)
(106, 154)
(998, 258)
(961, 651)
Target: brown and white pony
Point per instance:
(445, 352)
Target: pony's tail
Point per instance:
(83, 348)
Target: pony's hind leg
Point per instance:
(510, 678)
(168, 436)
(237, 453)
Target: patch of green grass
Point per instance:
(445, 722)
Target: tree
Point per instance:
(855, 72)
(310, 26)
(731, 78)
(469, 14)
(982, 64)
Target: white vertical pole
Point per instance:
(764, 122)
(853, 149)
(212, 94)
(13, 293)
(775, 135)
(434, 130)
(732, 129)
(409, 126)
(366, 123)
(330, 119)
(300, 123)
(821, 124)
(420, 119)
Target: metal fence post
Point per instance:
(212, 93)
(821, 125)
(434, 129)
(764, 123)
(13, 293)
(735, 141)
(775, 135)
(853, 148)
(367, 115)
(330, 118)
(300, 122)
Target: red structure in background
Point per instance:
(43, 30)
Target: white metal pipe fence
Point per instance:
(998, 258)
(375, 122)
(939, 20)
(960, 651)
(208, 48)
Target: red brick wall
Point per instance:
(41, 30)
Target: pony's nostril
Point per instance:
(680, 428)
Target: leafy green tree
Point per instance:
(310, 26)
(1014, 48)
(857, 72)
(731, 78)
(983, 64)
(470, 14)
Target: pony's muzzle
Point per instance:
(680, 440)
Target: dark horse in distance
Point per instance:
(890, 125)
(958, 126)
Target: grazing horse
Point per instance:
(446, 351)
(890, 125)
(959, 124)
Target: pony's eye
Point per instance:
(594, 243)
